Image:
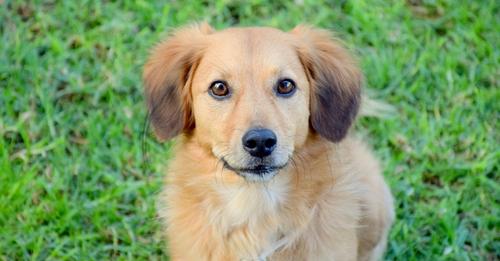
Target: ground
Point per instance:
(79, 175)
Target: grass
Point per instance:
(73, 182)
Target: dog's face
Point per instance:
(251, 100)
(251, 96)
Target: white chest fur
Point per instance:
(249, 201)
(251, 214)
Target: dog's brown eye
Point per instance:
(285, 87)
(219, 89)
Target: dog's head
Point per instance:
(251, 96)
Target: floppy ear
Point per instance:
(335, 81)
(167, 75)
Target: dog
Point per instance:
(264, 165)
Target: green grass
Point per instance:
(73, 182)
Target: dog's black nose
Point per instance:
(259, 142)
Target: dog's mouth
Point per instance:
(259, 169)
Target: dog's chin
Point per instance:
(258, 173)
(258, 176)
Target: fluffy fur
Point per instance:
(329, 202)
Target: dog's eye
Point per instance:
(219, 89)
(285, 87)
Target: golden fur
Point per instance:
(328, 202)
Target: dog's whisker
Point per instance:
(301, 163)
(294, 165)
(223, 166)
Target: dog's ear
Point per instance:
(167, 76)
(335, 81)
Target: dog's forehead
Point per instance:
(250, 43)
(238, 51)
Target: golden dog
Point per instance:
(264, 167)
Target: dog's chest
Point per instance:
(249, 202)
(254, 214)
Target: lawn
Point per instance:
(79, 175)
